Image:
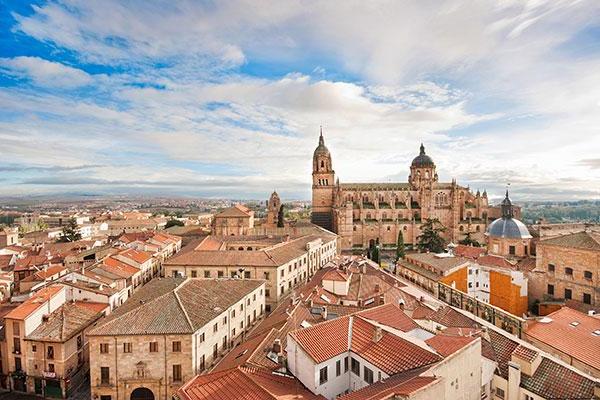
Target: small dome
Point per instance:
(508, 228)
(422, 160)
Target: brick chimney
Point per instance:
(277, 346)
(324, 312)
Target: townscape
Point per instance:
(300, 199)
(368, 299)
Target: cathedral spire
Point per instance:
(321, 140)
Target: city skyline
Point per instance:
(226, 99)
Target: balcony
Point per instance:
(105, 382)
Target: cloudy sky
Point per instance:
(225, 98)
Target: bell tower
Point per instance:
(323, 177)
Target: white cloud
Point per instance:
(45, 73)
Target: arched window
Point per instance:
(241, 248)
(462, 228)
(478, 228)
(354, 228)
(322, 164)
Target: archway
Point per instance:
(142, 393)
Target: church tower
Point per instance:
(323, 186)
(273, 206)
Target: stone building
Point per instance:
(285, 262)
(273, 206)
(169, 331)
(568, 268)
(507, 236)
(361, 213)
(233, 221)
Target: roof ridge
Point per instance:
(252, 382)
(176, 294)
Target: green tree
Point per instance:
(430, 239)
(375, 253)
(280, 217)
(70, 232)
(173, 222)
(469, 241)
(400, 246)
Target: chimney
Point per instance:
(377, 288)
(363, 268)
(277, 346)
(324, 312)
(381, 299)
(377, 334)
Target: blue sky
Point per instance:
(225, 99)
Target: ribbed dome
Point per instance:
(422, 160)
(508, 228)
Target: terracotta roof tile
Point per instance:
(403, 384)
(390, 315)
(335, 275)
(579, 328)
(447, 345)
(554, 381)
(468, 251)
(579, 240)
(34, 302)
(65, 322)
(244, 383)
(237, 211)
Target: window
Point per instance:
(338, 368)
(225, 320)
(267, 293)
(219, 274)
(106, 397)
(254, 297)
(18, 366)
(104, 375)
(153, 347)
(215, 327)
(346, 364)
(103, 348)
(126, 347)
(355, 366)
(176, 347)
(202, 338)
(499, 393)
(16, 329)
(587, 275)
(568, 294)
(247, 274)
(267, 275)
(323, 375)
(587, 298)
(368, 375)
(511, 250)
(202, 362)
(176, 373)
(215, 350)
(569, 271)
(50, 352)
(551, 290)
(233, 313)
(528, 397)
(50, 367)
(551, 267)
(194, 274)
(207, 274)
(33, 348)
(282, 273)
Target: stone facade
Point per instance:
(564, 271)
(273, 206)
(361, 213)
(121, 364)
(233, 221)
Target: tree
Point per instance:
(70, 232)
(430, 239)
(280, 217)
(173, 222)
(400, 246)
(374, 252)
(469, 241)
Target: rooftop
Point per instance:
(67, 321)
(246, 383)
(33, 303)
(441, 264)
(174, 306)
(237, 211)
(579, 240)
(582, 330)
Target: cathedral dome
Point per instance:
(422, 160)
(507, 226)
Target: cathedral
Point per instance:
(364, 213)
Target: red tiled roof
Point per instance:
(582, 344)
(422, 312)
(237, 210)
(335, 275)
(34, 302)
(44, 274)
(136, 255)
(525, 353)
(391, 353)
(468, 251)
(495, 261)
(390, 315)
(311, 339)
(119, 268)
(244, 383)
(398, 385)
(447, 345)
(30, 262)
